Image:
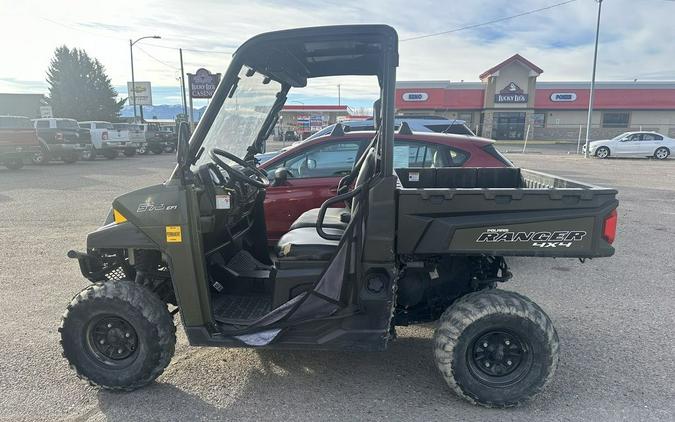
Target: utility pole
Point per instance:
(590, 98)
(182, 81)
(133, 81)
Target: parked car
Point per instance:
(169, 136)
(102, 144)
(314, 168)
(61, 139)
(291, 136)
(120, 133)
(437, 124)
(633, 144)
(18, 141)
(157, 140)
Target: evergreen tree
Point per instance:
(79, 87)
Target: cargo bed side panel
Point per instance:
(523, 222)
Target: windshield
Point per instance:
(241, 117)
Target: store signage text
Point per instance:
(511, 94)
(415, 96)
(563, 97)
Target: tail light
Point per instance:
(58, 136)
(104, 136)
(609, 227)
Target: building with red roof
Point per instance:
(509, 99)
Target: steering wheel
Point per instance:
(258, 178)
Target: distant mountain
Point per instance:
(167, 111)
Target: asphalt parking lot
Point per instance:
(614, 316)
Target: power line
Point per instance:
(528, 12)
(156, 59)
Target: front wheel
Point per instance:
(661, 153)
(40, 158)
(117, 335)
(496, 348)
(156, 149)
(169, 148)
(130, 152)
(602, 152)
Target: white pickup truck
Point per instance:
(125, 132)
(104, 142)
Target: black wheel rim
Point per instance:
(112, 341)
(499, 358)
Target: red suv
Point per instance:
(314, 168)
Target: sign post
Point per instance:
(202, 84)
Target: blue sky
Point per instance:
(634, 45)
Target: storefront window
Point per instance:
(539, 119)
(615, 119)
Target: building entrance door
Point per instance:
(509, 125)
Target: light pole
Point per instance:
(590, 98)
(133, 81)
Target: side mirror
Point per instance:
(280, 176)
(183, 147)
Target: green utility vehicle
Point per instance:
(415, 247)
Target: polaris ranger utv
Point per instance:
(412, 246)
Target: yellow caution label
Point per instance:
(173, 234)
(118, 217)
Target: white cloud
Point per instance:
(633, 45)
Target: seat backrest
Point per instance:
(366, 172)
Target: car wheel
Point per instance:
(130, 152)
(14, 163)
(661, 153)
(40, 158)
(110, 154)
(496, 348)
(602, 152)
(169, 148)
(142, 150)
(117, 335)
(70, 158)
(156, 149)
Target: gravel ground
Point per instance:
(614, 318)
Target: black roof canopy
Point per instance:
(292, 56)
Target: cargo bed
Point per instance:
(502, 211)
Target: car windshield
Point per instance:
(241, 116)
(121, 126)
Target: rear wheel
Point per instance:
(156, 149)
(14, 163)
(143, 150)
(661, 153)
(496, 348)
(602, 152)
(110, 154)
(117, 335)
(169, 148)
(89, 154)
(130, 152)
(70, 158)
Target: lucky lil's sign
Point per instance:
(511, 93)
(203, 83)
